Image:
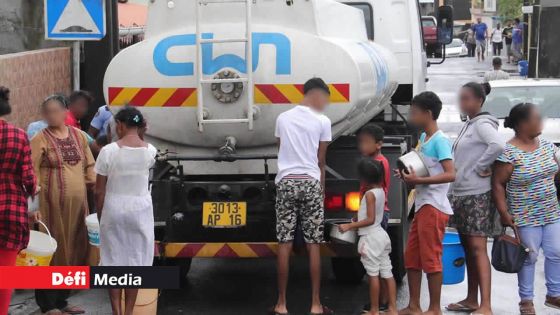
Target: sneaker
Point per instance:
(382, 308)
(553, 302)
(366, 308)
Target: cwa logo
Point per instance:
(70, 279)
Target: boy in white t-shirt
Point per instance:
(375, 245)
(303, 134)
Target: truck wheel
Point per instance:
(348, 270)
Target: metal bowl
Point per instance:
(413, 160)
(348, 237)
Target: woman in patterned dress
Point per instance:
(64, 166)
(525, 196)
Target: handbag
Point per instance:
(508, 253)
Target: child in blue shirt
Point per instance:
(424, 247)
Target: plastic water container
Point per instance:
(39, 251)
(146, 302)
(523, 66)
(453, 259)
(92, 225)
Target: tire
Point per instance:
(348, 270)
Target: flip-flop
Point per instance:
(459, 307)
(73, 310)
(271, 311)
(326, 311)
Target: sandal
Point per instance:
(527, 308)
(55, 311)
(272, 311)
(326, 311)
(73, 310)
(459, 307)
(553, 302)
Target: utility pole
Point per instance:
(532, 43)
(97, 56)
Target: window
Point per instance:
(502, 99)
(368, 16)
(428, 23)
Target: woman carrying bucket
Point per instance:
(475, 150)
(17, 182)
(124, 202)
(64, 166)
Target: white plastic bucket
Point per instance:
(39, 251)
(92, 225)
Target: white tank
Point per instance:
(291, 43)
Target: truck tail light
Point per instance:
(334, 202)
(353, 201)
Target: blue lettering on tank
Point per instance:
(379, 65)
(166, 67)
(211, 64)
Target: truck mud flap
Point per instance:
(242, 250)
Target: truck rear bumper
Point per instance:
(243, 250)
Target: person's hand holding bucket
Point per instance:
(40, 249)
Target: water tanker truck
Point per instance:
(212, 76)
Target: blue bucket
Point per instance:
(523, 66)
(453, 259)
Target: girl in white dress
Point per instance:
(124, 202)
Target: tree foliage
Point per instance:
(509, 9)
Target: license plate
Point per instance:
(224, 214)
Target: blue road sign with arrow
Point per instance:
(75, 19)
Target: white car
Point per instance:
(544, 93)
(456, 49)
(504, 95)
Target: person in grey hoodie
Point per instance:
(477, 146)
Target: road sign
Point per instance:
(75, 19)
(527, 9)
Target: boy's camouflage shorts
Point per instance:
(299, 199)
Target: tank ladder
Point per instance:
(247, 80)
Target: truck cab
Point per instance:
(396, 24)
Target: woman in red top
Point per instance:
(17, 182)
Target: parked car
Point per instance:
(544, 93)
(504, 95)
(429, 31)
(457, 48)
(429, 28)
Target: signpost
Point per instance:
(75, 20)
